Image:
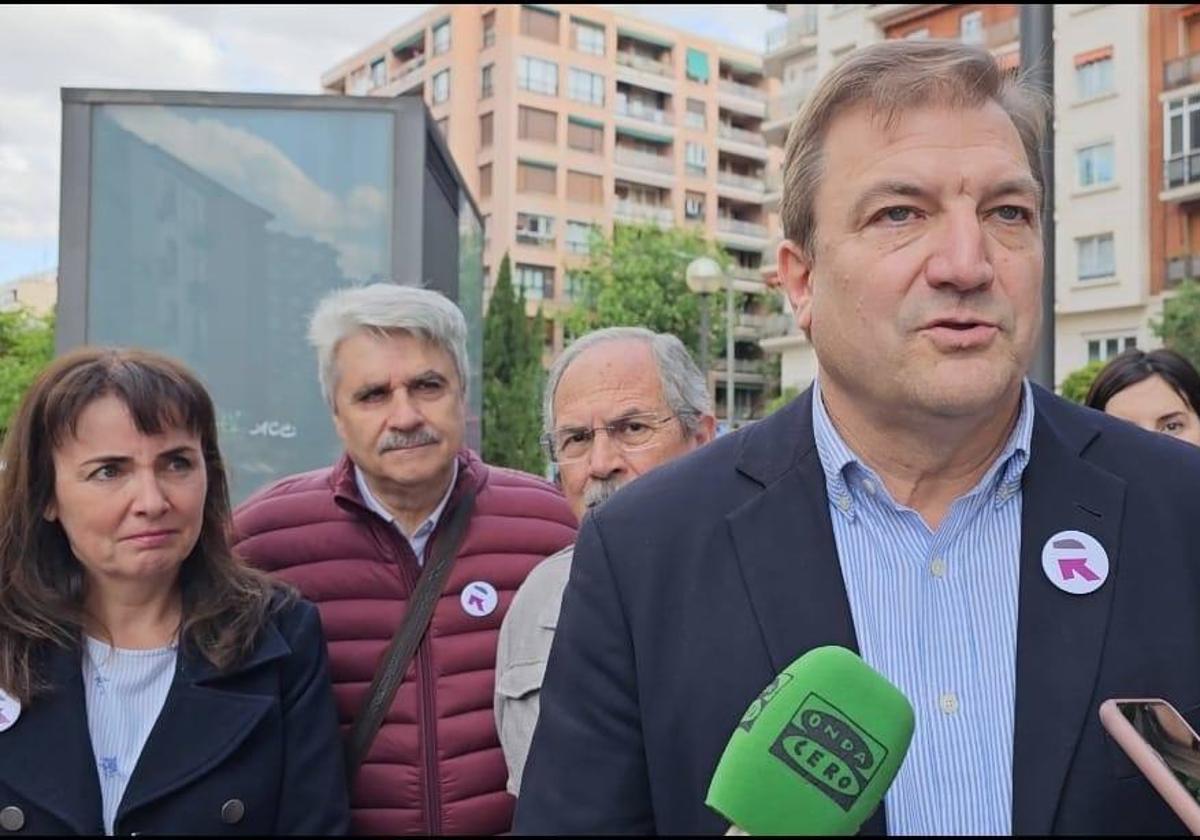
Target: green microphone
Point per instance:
(816, 752)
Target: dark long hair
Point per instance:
(1133, 366)
(225, 603)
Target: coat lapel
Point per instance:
(783, 539)
(202, 722)
(1060, 637)
(47, 754)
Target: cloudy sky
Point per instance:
(273, 49)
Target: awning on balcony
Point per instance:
(585, 121)
(697, 65)
(411, 41)
(741, 66)
(656, 40)
(642, 134)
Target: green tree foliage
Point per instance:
(635, 278)
(512, 379)
(1077, 384)
(1180, 325)
(26, 345)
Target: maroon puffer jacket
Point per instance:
(436, 765)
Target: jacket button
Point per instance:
(12, 818)
(233, 811)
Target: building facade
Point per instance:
(36, 292)
(569, 118)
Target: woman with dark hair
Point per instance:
(149, 681)
(1159, 391)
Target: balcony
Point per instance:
(744, 230)
(1181, 178)
(404, 78)
(1186, 267)
(636, 211)
(639, 111)
(747, 183)
(738, 89)
(645, 65)
(1181, 71)
(537, 240)
(638, 159)
(740, 135)
(694, 120)
(774, 193)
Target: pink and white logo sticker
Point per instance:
(10, 710)
(1075, 562)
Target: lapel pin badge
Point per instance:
(479, 599)
(1075, 562)
(10, 710)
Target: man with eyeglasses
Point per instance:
(619, 402)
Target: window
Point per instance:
(585, 137)
(533, 229)
(537, 75)
(573, 284)
(694, 117)
(441, 87)
(489, 29)
(536, 280)
(696, 158)
(579, 236)
(1096, 256)
(1181, 140)
(1095, 165)
(693, 206)
(540, 24)
(696, 65)
(486, 130)
(589, 38)
(485, 80)
(1103, 349)
(485, 181)
(1094, 75)
(537, 125)
(536, 178)
(378, 73)
(970, 28)
(441, 38)
(585, 188)
(583, 86)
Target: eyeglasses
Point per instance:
(574, 443)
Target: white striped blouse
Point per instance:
(936, 614)
(125, 692)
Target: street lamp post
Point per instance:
(705, 278)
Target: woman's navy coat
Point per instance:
(252, 750)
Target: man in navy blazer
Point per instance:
(914, 506)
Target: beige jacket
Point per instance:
(524, 646)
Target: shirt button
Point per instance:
(843, 502)
(938, 567)
(948, 702)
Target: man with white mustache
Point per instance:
(619, 402)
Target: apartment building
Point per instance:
(1121, 198)
(36, 292)
(568, 118)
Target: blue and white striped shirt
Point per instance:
(125, 691)
(936, 614)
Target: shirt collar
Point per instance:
(374, 504)
(838, 460)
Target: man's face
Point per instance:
(398, 408)
(608, 382)
(923, 295)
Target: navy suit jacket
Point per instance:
(694, 586)
(263, 733)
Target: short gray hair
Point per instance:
(384, 308)
(683, 385)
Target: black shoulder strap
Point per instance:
(408, 636)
